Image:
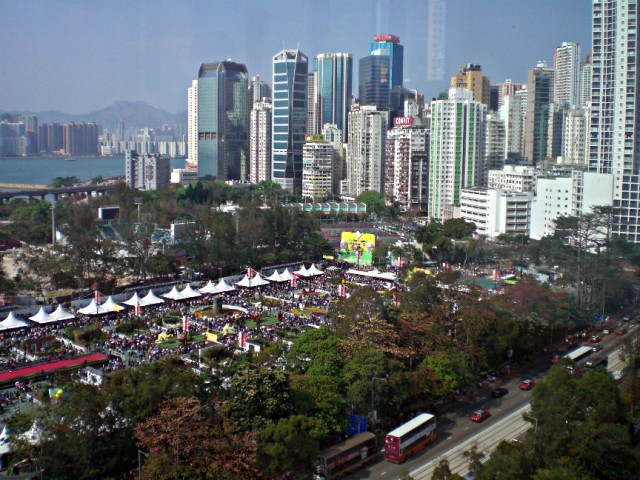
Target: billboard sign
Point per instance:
(402, 121)
(356, 247)
(313, 138)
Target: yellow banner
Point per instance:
(211, 337)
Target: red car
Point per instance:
(594, 339)
(480, 415)
(527, 385)
(621, 331)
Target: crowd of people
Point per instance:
(292, 303)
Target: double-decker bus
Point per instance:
(410, 438)
(579, 353)
(346, 457)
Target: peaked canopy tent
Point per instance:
(388, 276)
(286, 274)
(276, 277)
(209, 288)
(134, 300)
(256, 281)
(151, 299)
(174, 294)
(94, 309)
(188, 293)
(61, 314)
(12, 323)
(223, 286)
(112, 306)
(313, 270)
(42, 317)
(302, 272)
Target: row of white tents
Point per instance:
(12, 322)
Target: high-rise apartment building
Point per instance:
(290, 69)
(585, 82)
(223, 121)
(506, 88)
(333, 135)
(260, 127)
(566, 81)
(80, 138)
(192, 125)
(258, 90)
(389, 45)
(470, 77)
(366, 150)
(511, 114)
(317, 168)
(406, 164)
(575, 141)
(147, 172)
(457, 150)
(332, 96)
(615, 128)
(495, 146)
(539, 100)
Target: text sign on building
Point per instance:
(314, 138)
(401, 121)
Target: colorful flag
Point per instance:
(138, 308)
(185, 323)
(242, 339)
(97, 296)
(251, 272)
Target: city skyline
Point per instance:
(149, 51)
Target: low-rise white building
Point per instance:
(495, 211)
(515, 178)
(570, 195)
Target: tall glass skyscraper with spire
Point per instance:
(389, 45)
(333, 90)
(289, 126)
(223, 124)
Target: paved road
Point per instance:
(457, 434)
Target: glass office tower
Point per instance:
(222, 121)
(290, 69)
(333, 90)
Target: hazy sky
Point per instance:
(78, 56)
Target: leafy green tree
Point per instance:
(442, 471)
(374, 201)
(446, 370)
(474, 457)
(258, 395)
(287, 446)
(316, 352)
(320, 399)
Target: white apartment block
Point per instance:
(317, 168)
(574, 148)
(511, 114)
(456, 150)
(566, 81)
(495, 146)
(260, 142)
(366, 150)
(406, 166)
(192, 125)
(514, 178)
(495, 212)
(333, 135)
(569, 195)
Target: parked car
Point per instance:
(499, 392)
(607, 330)
(596, 348)
(595, 339)
(621, 331)
(626, 318)
(480, 415)
(527, 385)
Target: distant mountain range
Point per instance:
(133, 114)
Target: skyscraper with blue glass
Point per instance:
(290, 69)
(389, 45)
(223, 123)
(333, 91)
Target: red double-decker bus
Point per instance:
(410, 438)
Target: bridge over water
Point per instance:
(41, 191)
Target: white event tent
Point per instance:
(134, 300)
(61, 314)
(256, 281)
(12, 322)
(94, 309)
(286, 274)
(209, 288)
(112, 306)
(174, 294)
(188, 293)
(42, 317)
(151, 299)
(303, 272)
(313, 270)
(276, 277)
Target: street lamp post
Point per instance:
(140, 452)
(53, 222)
